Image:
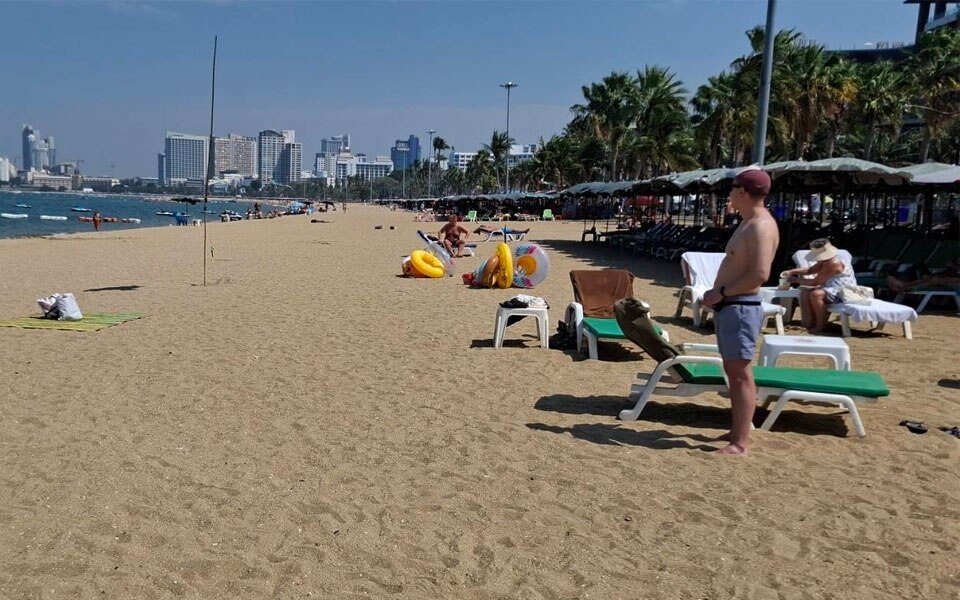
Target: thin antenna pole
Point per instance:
(211, 160)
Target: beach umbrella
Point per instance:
(949, 177)
(829, 174)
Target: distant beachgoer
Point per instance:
(946, 278)
(487, 230)
(343, 205)
(454, 235)
(97, 219)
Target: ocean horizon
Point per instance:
(128, 206)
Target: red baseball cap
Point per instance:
(754, 181)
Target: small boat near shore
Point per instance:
(164, 213)
(81, 209)
(13, 215)
(24, 206)
(52, 218)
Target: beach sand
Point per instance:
(311, 425)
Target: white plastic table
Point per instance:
(540, 314)
(787, 298)
(775, 346)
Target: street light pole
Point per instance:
(403, 175)
(508, 86)
(430, 162)
(760, 137)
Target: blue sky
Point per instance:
(107, 78)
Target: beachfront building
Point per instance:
(269, 147)
(279, 155)
(161, 168)
(99, 184)
(235, 154)
(460, 160)
(941, 15)
(349, 165)
(291, 163)
(41, 179)
(518, 154)
(185, 156)
(405, 153)
(7, 169)
(335, 144)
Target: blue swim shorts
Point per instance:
(738, 326)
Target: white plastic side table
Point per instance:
(540, 314)
(775, 346)
(787, 298)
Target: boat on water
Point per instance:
(130, 220)
(13, 215)
(24, 206)
(52, 218)
(164, 213)
(81, 209)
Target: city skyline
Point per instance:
(154, 86)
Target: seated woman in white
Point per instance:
(829, 276)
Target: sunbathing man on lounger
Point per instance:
(946, 278)
(483, 229)
(454, 235)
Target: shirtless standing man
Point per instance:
(735, 298)
(454, 235)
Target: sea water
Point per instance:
(109, 205)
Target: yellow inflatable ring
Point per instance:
(489, 271)
(504, 276)
(426, 264)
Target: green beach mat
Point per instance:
(90, 322)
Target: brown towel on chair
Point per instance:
(634, 321)
(598, 290)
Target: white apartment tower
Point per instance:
(185, 156)
(235, 154)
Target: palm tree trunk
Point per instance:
(925, 145)
(868, 143)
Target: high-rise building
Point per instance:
(335, 144)
(349, 165)
(38, 155)
(269, 148)
(291, 163)
(29, 138)
(405, 153)
(186, 156)
(6, 168)
(51, 152)
(235, 154)
(161, 168)
(280, 156)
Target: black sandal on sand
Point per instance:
(914, 426)
(954, 431)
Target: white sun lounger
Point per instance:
(699, 273)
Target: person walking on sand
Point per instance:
(97, 219)
(735, 299)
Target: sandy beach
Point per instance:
(310, 424)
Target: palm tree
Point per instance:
(882, 96)
(478, 174)
(499, 149)
(609, 110)
(936, 65)
(439, 145)
(660, 137)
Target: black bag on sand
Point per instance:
(564, 338)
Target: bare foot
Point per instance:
(733, 450)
